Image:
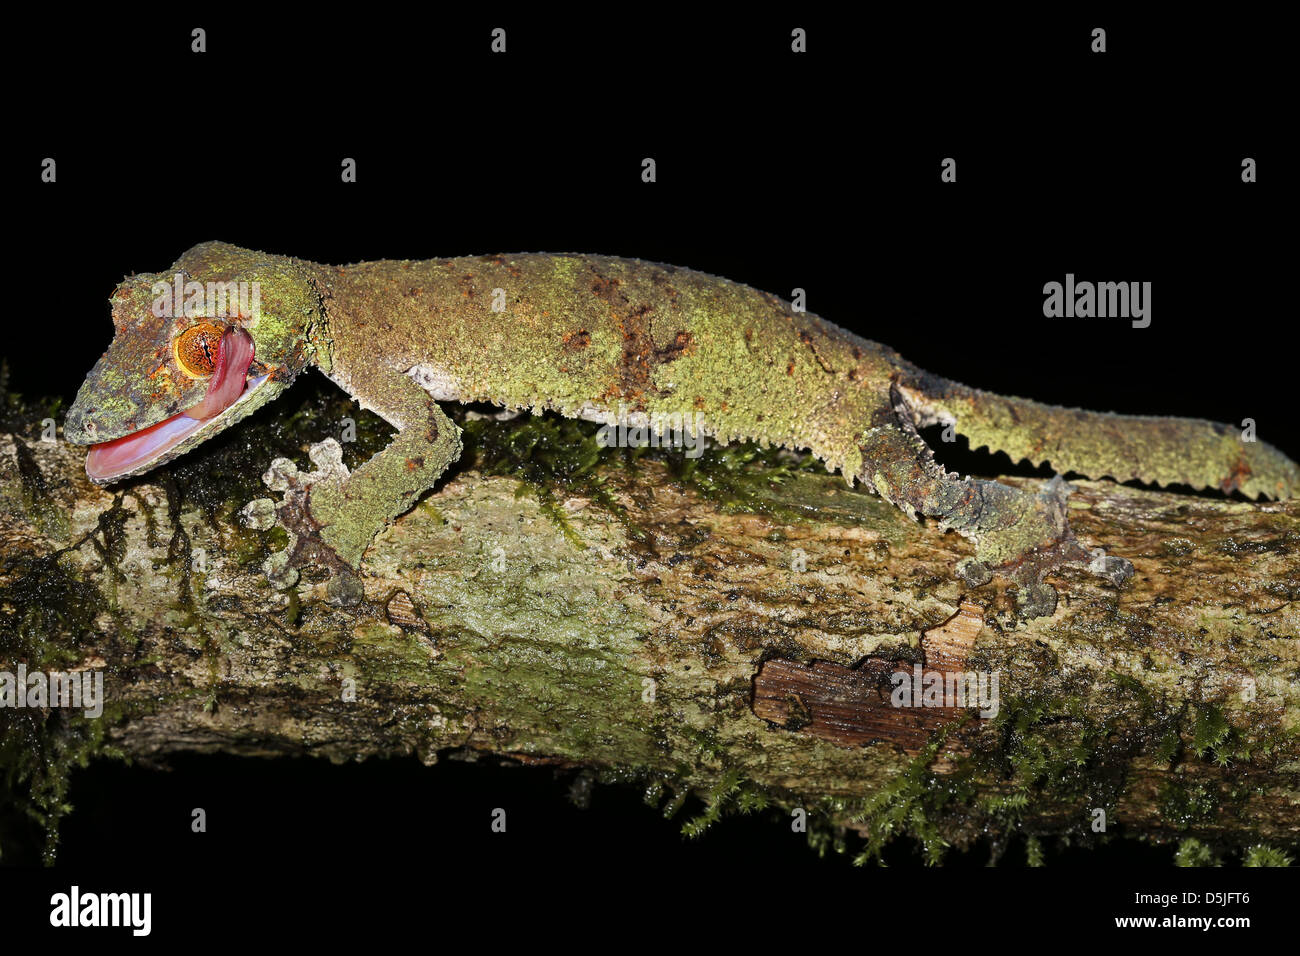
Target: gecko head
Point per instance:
(195, 350)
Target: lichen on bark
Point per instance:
(616, 610)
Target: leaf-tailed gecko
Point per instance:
(588, 337)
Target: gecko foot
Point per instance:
(299, 513)
(1031, 541)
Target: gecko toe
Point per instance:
(279, 571)
(1116, 570)
(327, 456)
(280, 475)
(345, 588)
(1036, 600)
(975, 573)
(259, 514)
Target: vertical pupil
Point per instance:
(198, 348)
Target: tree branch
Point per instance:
(727, 629)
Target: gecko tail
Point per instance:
(1159, 451)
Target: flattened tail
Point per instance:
(1159, 451)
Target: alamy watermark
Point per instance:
(75, 908)
(78, 690)
(212, 300)
(1098, 300)
(633, 429)
(922, 688)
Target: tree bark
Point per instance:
(650, 631)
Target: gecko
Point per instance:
(595, 337)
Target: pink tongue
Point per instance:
(112, 458)
(234, 355)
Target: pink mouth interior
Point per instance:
(122, 455)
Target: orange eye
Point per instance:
(196, 349)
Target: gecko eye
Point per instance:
(196, 349)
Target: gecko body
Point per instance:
(597, 337)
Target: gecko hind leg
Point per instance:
(1021, 534)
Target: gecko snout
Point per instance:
(79, 426)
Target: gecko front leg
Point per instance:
(331, 515)
(1017, 533)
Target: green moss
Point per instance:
(1169, 748)
(46, 514)
(1183, 805)
(715, 802)
(540, 449)
(551, 454)
(1260, 855)
(1044, 748)
(39, 748)
(707, 744)
(39, 753)
(741, 478)
(824, 837)
(1210, 729)
(1034, 855)
(913, 802)
(1216, 740)
(1046, 741)
(47, 612)
(731, 794)
(1192, 852)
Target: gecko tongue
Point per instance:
(112, 458)
(234, 355)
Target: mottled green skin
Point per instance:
(584, 335)
(1160, 451)
(596, 337)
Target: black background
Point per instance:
(818, 171)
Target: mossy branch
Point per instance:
(726, 627)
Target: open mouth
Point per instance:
(229, 385)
